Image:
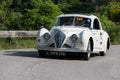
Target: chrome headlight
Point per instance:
(46, 36)
(74, 38)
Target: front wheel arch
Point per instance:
(92, 43)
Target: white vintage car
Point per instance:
(74, 33)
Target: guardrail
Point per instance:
(6, 34)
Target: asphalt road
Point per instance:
(24, 64)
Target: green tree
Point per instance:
(27, 14)
(41, 13)
(5, 14)
(111, 10)
(114, 12)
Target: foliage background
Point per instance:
(32, 14)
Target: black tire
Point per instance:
(41, 53)
(87, 54)
(102, 53)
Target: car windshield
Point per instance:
(65, 21)
(73, 21)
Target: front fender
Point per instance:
(42, 31)
(40, 39)
(86, 35)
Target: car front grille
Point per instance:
(59, 38)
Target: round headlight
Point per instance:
(74, 38)
(47, 36)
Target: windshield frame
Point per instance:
(73, 21)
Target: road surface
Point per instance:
(24, 64)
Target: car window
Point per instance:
(96, 24)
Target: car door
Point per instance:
(97, 35)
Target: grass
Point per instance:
(17, 43)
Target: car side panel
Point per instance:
(85, 38)
(105, 39)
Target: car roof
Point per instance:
(78, 15)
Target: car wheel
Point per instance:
(87, 55)
(41, 53)
(102, 53)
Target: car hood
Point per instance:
(69, 29)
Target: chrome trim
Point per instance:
(60, 49)
(59, 38)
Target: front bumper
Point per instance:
(60, 49)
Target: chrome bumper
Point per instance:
(60, 49)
